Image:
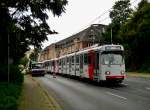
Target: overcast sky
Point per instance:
(79, 15)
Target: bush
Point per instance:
(145, 69)
(9, 95)
(10, 92)
(15, 75)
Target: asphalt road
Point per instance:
(132, 94)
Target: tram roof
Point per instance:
(112, 47)
(103, 48)
(108, 47)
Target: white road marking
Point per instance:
(148, 88)
(116, 95)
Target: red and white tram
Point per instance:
(99, 63)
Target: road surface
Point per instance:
(133, 94)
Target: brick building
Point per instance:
(85, 38)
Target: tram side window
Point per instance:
(72, 60)
(81, 61)
(85, 59)
(97, 61)
(64, 60)
(53, 63)
(62, 63)
(59, 62)
(67, 60)
(77, 59)
(49, 63)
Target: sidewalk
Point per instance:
(135, 74)
(34, 97)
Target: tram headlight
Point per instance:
(122, 72)
(107, 73)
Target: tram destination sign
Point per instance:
(113, 47)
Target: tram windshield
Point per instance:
(112, 58)
(37, 65)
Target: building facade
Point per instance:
(85, 38)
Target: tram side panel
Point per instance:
(67, 65)
(56, 67)
(49, 67)
(85, 73)
(77, 66)
(71, 64)
(59, 66)
(81, 65)
(64, 66)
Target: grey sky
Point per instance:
(79, 15)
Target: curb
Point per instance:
(52, 101)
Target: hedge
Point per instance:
(10, 92)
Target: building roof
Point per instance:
(94, 29)
(82, 35)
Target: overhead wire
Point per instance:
(100, 16)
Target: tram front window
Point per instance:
(112, 59)
(37, 66)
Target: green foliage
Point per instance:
(10, 92)
(119, 14)
(23, 23)
(145, 67)
(34, 55)
(9, 95)
(24, 61)
(136, 37)
(132, 29)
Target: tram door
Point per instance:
(81, 64)
(96, 66)
(91, 64)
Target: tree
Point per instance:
(34, 55)
(119, 14)
(24, 61)
(23, 23)
(136, 37)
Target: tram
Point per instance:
(101, 63)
